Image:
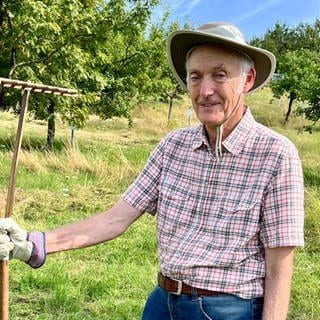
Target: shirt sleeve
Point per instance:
(143, 192)
(283, 208)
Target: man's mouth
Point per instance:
(210, 104)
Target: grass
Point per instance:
(113, 280)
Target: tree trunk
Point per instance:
(51, 126)
(292, 96)
(2, 93)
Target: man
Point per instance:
(228, 194)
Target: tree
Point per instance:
(162, 83)
(296, 50)
(42, 43)
(125, 70)
(309, 88)
(277, 40)
(301, 77)
(91, 45)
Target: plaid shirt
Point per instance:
(215, 217)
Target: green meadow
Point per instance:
(113, 280)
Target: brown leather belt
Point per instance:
(178, 287)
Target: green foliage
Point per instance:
(162, 84)
(297, 51)
(277, 40)
(96, 46)
(301, 71)
(301, 74)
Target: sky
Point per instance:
(253, 17)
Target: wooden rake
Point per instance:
(27, 88)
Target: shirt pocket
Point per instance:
(174, 196)
(241, 201)
(236, 232)
(238, 221)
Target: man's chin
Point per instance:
(211, 123)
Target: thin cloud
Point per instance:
(183, 7)
(175, 5)
(190, 6)
(258, 10)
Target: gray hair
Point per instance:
(246, 63)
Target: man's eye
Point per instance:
(220, 77)
(194, 78)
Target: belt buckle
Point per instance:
(179, 288)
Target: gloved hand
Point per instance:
(5, 246)
(24, 246)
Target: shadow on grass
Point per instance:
(31, 143)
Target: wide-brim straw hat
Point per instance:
(220, 34)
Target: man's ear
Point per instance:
(249, 80)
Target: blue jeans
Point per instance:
(162, 305)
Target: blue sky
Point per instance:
(253, 17)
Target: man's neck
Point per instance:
(228, 127)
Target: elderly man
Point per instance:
(227, 194)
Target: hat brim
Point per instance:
(181, 41)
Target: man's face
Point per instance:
(215, 85)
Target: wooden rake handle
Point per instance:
(4, 273)
(27, 88)
(4, 266)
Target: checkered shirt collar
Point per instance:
(236, 140)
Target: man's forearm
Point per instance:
(279, 269)
(91, 231)
(277, 297)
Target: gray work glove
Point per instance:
(5, 246)
(24, 246)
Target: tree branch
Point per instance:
(38, 60)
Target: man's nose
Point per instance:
(208, 87)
